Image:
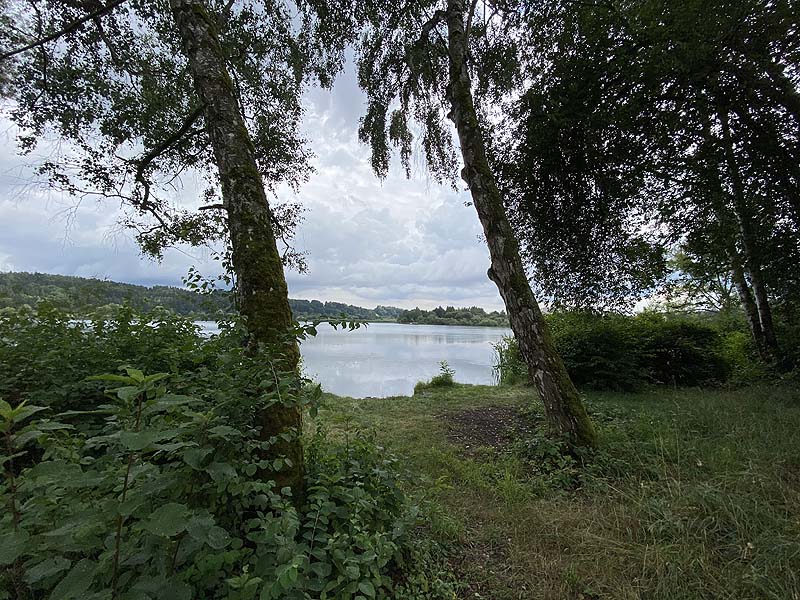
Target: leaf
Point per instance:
(367, 588)
(138, 440)
(22, 412)
(224, 431)
(204, 530)
(135, 374)
(195, 457)
(110, 377)
(12, 546)
(47, 568)
(218, 538)
(167, 520)
(127, 393)
(221, 471)
(5, 410)
(76, 582)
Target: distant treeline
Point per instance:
(454, 316)
(79, 296)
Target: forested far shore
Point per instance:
(82, 296)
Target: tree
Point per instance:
(143, 92)
(683, 114)
(416, 58)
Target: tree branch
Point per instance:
(437, 18)
(61, 32)
(470, 16)
(144, 162)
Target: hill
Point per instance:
(80, 295)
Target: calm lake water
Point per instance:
(387, 359)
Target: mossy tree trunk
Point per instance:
(562, 402)
(262, 291)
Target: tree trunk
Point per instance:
(563, 406)
(263, 295)
(748, 240)
(749, 306)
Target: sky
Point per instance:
(398, 242)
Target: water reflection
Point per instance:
(387, 359)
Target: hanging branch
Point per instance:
(61, 32)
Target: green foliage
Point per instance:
(46, 356)
(454, 316)
(445, 378)
(618, 352)
(509, 368)
(161, 487)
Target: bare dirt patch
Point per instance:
(491, 426)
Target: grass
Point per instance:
(692, 494)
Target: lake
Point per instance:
(387, 359)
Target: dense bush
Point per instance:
(46, 356)
(160, 487)
(619, 352)
(599, 352)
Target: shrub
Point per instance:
(508, 367)
(600, 352)
(46, 356)
(161, 489)
(679, 351)
(624, 353)
(445, 378)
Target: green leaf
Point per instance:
(47, 568)
(367, 589)
(218, 538)
(23, 411)
(12, 546)
(110, 377)
(76, 582)
(135, 374)
(5, 410)
(127, 393)
(224, 431)
(195, 457)
(221, 471)
(167, 520)
(138, 440)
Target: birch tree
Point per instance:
(127, 96)
(416, 63)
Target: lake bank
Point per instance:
(693, 493)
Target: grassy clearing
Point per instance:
(693, 494)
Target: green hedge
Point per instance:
(620, 352)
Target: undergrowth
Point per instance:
(158, 486)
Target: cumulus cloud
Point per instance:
(397, 241)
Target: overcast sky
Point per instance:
(395, 242)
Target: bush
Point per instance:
(46, 356)
(161, 489)
(445, 378)
(508, 367)
(624, 353)
(679, 352)
(600, 352)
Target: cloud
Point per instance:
(398, 241)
